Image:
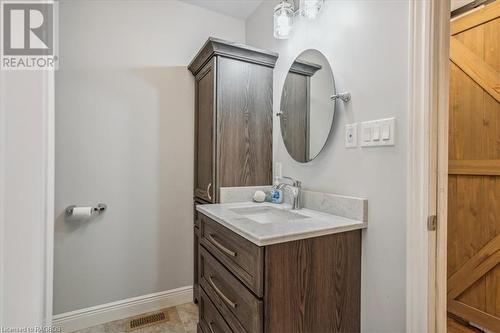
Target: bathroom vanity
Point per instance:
(266, 268)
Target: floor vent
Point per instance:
(148, 320)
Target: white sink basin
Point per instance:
(266, 214)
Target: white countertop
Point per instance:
(312, 224)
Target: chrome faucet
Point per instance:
(294, 188)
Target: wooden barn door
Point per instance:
(474, 168)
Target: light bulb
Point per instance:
(283, 20)
(310, 8)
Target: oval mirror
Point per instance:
(307, 110)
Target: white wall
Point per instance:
(124, 136)
(367, 43)
(24, 103)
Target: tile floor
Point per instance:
(182, 319)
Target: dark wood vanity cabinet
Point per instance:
(310, 285)
(233, 119)
(204, 177)
(196, 237)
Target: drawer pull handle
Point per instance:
(221, 294)
(210, 324)
(208, 191)
(221, 247)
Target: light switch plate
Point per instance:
(381, 132)
(277, 170)
(376, 132)
(386, 132)
(351, 135)
(367, 133)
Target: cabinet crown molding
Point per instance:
(215, 46)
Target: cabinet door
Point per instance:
(205, 134)
(196, 283)
(196, 236)
(245, 125)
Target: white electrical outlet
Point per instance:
(351, 135)
(377, 133)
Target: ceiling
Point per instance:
(241, 9)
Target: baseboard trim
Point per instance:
(96, 315)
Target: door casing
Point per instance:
(427, 166)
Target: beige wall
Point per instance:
(124, 136)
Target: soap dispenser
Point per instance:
(276, 193)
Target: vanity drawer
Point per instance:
(241, 309)
(210, 319)
(243, 258)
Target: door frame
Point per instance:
(41, 266)
(50, 115)
(427, 173)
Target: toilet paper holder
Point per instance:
(100, 208)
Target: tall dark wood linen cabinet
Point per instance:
(233, 122)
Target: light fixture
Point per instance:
(285, 12)
(310, 8)
(283, 20)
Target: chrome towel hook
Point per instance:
(345, 97)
